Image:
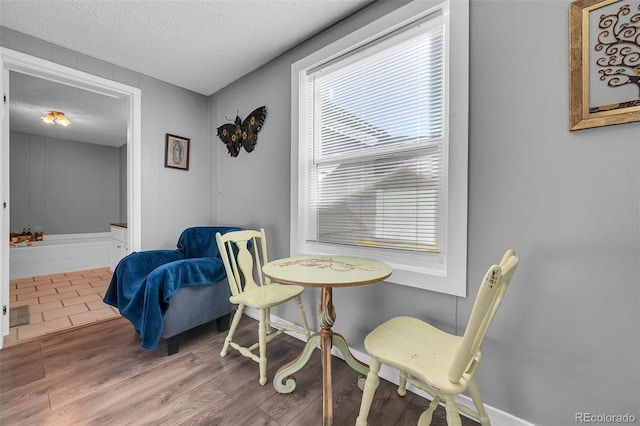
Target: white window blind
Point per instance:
(379, 152)
(375, 143)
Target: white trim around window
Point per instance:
(439, 267)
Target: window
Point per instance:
(377, 167)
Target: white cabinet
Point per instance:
(119, 243)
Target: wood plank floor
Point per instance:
(100, 375)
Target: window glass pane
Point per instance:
(378, 168)
(390, 97)
(375, 152)
(390, 203)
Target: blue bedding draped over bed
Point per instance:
(143, 282)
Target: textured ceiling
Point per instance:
(94, 118)
(199, 45)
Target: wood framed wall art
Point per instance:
(176, 152)
(604, 62)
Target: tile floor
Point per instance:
(59, 302)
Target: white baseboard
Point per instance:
(498, 417)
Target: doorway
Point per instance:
(32, 66)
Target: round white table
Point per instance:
(327, 272)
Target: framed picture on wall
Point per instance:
(176, 152)
(604, 62)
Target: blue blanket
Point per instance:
(143, 282)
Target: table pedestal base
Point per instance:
(285, 383)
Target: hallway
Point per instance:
(59, 302)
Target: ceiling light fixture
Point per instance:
(56, 117)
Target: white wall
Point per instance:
(122, 173)
(566, 338)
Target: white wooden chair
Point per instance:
(243, 254)
(441, 364)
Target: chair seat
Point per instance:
(439, 363)
(416, 347)
(267, 296)
(244, 253)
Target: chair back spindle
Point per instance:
(249, 247)
(440, 363)
(494, 285)
(244, 253)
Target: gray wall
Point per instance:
(566, 338)
(171, 199)
(63, 187)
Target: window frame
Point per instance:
(447, 272)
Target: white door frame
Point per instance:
(11, 60)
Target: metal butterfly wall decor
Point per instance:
(243, 133)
